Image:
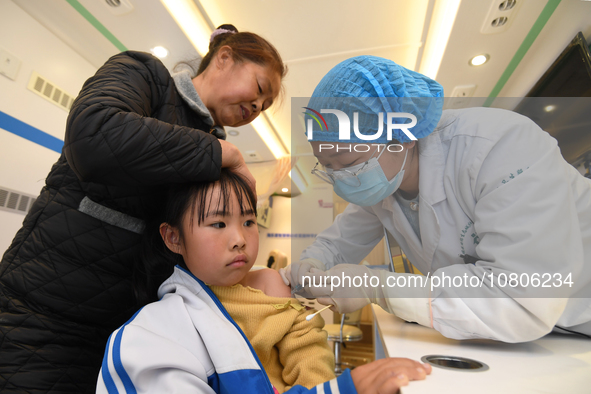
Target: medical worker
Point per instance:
(479, 196)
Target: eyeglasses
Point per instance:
(347, 176)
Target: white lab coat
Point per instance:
(494, 186)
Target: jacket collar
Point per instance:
(184, 86)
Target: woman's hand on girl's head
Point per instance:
(232, 159)
(388, 375)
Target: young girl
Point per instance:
(189, 342)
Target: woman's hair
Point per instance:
(156, 261)
(245, 46)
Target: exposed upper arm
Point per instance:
(269, 281)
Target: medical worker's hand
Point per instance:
(348, 286)
(293, 273)
(351, 287)
(388, 375)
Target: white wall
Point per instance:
(299, 215)
(308, 217)
(24, 164)
(280, 224)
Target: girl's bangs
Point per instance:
(205, 200)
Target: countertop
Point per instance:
(555, 363)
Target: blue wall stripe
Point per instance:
(30, 133)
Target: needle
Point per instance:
(296, 289)
(309, 317)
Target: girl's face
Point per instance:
(221, 250)
(239, 91)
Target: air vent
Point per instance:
(500, 21)
(50, 92)
(507, 5)
(3, 197)
(14, 201)
(118, 7)
(500, 16)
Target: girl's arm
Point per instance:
(304, 352)
(268, 281)
(307, 359)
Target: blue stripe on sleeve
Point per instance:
(107, 379)
(345, 382)
(127, 383)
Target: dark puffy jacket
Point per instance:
(65, 281)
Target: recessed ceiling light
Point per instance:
(285, 190)
(233, 132)
(479, 60)
(549, 108)
(159, 52)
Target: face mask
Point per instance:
(373, 186)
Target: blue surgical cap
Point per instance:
(369, 85)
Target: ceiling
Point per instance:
(313, 36)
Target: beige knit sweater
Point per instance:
(293, 351)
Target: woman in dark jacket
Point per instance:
(66, 279)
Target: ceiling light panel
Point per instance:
(479, 60)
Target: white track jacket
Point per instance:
(187, 343)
